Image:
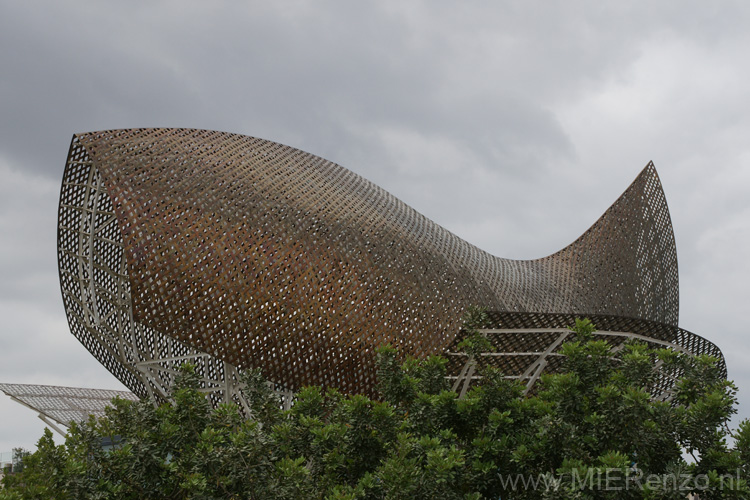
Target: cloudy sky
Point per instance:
(513, 124)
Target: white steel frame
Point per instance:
(530, 376)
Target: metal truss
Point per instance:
(524, 354)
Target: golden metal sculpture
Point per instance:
(236, 252)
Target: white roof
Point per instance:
(64, 404)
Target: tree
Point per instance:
(591, 431)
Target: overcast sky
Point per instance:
(513, 124)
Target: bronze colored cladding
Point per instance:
(191, 242)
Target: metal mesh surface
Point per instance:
(237, 252)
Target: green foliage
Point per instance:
(591, 423)
(474, 342)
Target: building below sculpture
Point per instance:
(58, 406)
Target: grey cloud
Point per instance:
(513, 124)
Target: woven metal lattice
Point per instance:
(237, 252)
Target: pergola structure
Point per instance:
(233, 252)
(525, 345)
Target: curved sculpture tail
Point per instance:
(625, 264)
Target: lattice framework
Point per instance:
(525, 345)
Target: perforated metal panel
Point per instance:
(64, 404)
(237, 252)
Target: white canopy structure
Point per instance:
(59, 406)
